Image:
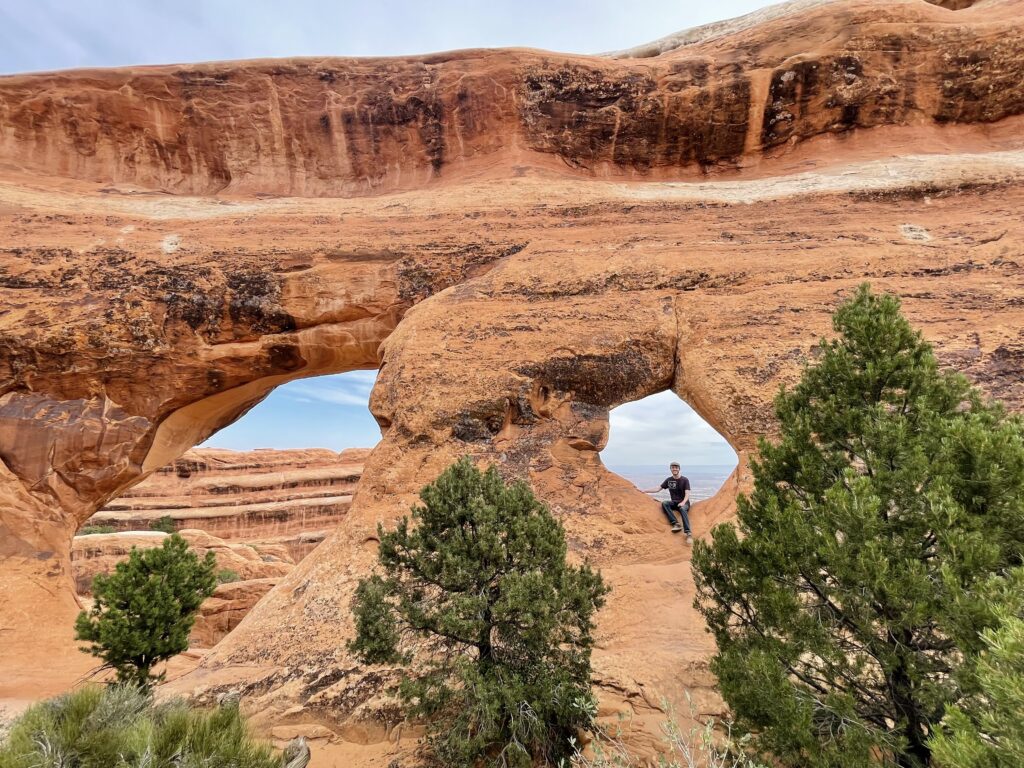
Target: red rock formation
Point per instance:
(288, 496)
(226, 608)
(101, 552)
(338, 126)
(541, 238)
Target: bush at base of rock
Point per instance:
(142, 613)
(710, 745)
(165, 524)
(96, 727)
(500, 663)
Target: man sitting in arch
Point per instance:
(679, 500)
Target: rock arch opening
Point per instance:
(262, 494)
(329, 412)
(286, 469)
(647, 434)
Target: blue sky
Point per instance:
(322, 412)
(331, 412)
(57, 34)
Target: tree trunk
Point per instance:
(483, 646)
(918, 753)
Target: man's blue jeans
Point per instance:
(668, 507)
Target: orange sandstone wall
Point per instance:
(355, 126)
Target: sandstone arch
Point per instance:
(63, 459)
(532, 237)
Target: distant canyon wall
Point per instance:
(260, 512)
(243, 495)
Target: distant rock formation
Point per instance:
(255, 572)
(285, 495)
(519, 241)
(260, 512)
(99, 553)
(226, 608)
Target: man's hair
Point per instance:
(673, 464)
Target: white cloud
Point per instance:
(662, 428)
(351, 388)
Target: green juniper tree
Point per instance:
(845, 602)
(986, 730)
(501, 626)
(143, 611)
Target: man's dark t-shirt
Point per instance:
(676, 487)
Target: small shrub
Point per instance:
(120, 726)
(164, 524)
(711, 745)
(144, 610)
(90, 530)
(227, 576)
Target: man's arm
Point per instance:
(686, 493)
(661, 487)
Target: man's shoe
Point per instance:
(689, 539)
(676, 528)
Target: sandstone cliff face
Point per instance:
(285, 495)
(573, 233)
(101, 552)
(338, 126)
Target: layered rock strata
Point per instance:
(719, 98)
(286, 495)
(528, 240)
(100, 553)
(260, 512)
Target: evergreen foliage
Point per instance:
(164, 524)
(120, 727)
(478, 592)
(986, 730)
(143, 611)
(845, 603)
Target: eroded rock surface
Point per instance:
(287, 497)
(101, 552)
(225, 609)
(528, 240)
